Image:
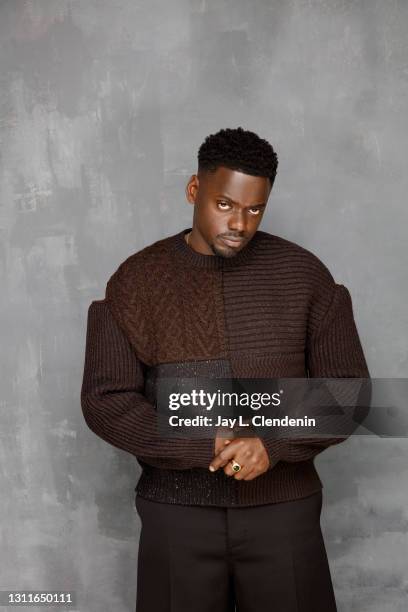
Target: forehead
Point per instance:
(237, 185)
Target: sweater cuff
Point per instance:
(274, 447)
(200, 452)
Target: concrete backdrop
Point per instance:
(103, 105)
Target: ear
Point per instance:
(192, 188)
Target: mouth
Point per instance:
(232, 242)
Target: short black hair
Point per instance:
(238, 149)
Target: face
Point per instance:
(228, 208)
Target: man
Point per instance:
(227, 523)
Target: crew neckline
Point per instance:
(212, 262)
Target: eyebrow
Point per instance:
(226, 197)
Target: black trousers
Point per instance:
(269, 558)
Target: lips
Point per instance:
(232, 242)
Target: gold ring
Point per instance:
(235, 465)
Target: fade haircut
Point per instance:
(238, 149)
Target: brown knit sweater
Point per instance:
(273, 310)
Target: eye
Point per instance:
(255, 211)
(223, 205)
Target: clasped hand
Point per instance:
(250, 453)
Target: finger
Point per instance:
(244, 471)
(258, 469)
(253, 474)
(219, 461)
(224, 456)
(246, 474)
(244, 457)
(248, 462)
(228, 471)
(248, 465)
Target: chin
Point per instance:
(227, 253)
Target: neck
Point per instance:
(194, 258)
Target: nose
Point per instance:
(237, 222)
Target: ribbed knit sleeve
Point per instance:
(333, 351)
(334, 348)
(113, 403)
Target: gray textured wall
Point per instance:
(103, 105)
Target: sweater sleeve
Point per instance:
(113, 403)
(333, 351)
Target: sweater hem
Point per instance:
(199, 487)
(224, 505)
